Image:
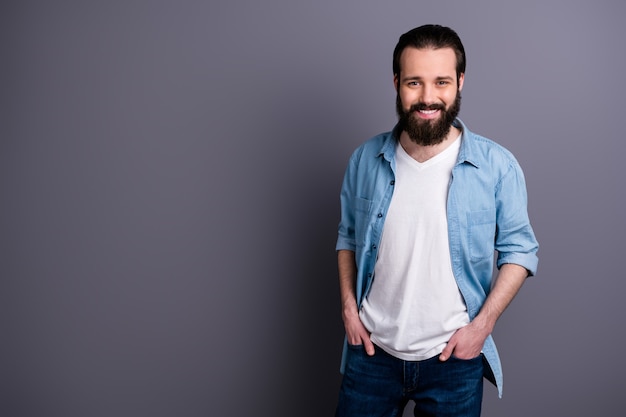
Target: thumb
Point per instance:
(447, 352)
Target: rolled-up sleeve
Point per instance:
(515, 240)
(346, 233)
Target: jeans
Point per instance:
(382, 385)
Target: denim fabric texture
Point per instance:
(382, 385)
(486, 211)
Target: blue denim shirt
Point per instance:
(486, 212)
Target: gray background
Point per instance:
(169, 178)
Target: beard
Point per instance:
(427, 132)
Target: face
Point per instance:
(429, 97)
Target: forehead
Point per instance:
(428, 62)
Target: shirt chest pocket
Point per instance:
(482, 232)
(362, 209)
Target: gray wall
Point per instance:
(169, 177)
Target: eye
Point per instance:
(413, 83)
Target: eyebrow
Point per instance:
(417, 78)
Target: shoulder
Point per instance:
(484, 152)
(376, 143)
(375, 146)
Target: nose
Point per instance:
(428, 94)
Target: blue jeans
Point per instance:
(382, 385)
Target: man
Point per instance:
(424, 209)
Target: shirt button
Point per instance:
(380, 215)
(393, 182)
(373, 246)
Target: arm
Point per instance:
(356, 333)
(468, 341)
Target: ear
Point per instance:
(395, 81)
(461, 80)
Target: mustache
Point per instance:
(424, 106)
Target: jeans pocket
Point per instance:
(456, 358)
(355, 347)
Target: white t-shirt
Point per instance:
(414, 305)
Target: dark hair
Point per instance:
(431, 36)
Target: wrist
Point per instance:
(349, 310)
(483, 324)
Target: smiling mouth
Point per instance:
(427, 114)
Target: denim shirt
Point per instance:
(486, 212)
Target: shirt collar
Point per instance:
(388, 148)
(468, 152)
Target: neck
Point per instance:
(422, 153)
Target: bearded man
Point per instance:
(425, 208)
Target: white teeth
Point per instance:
(428, 111)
